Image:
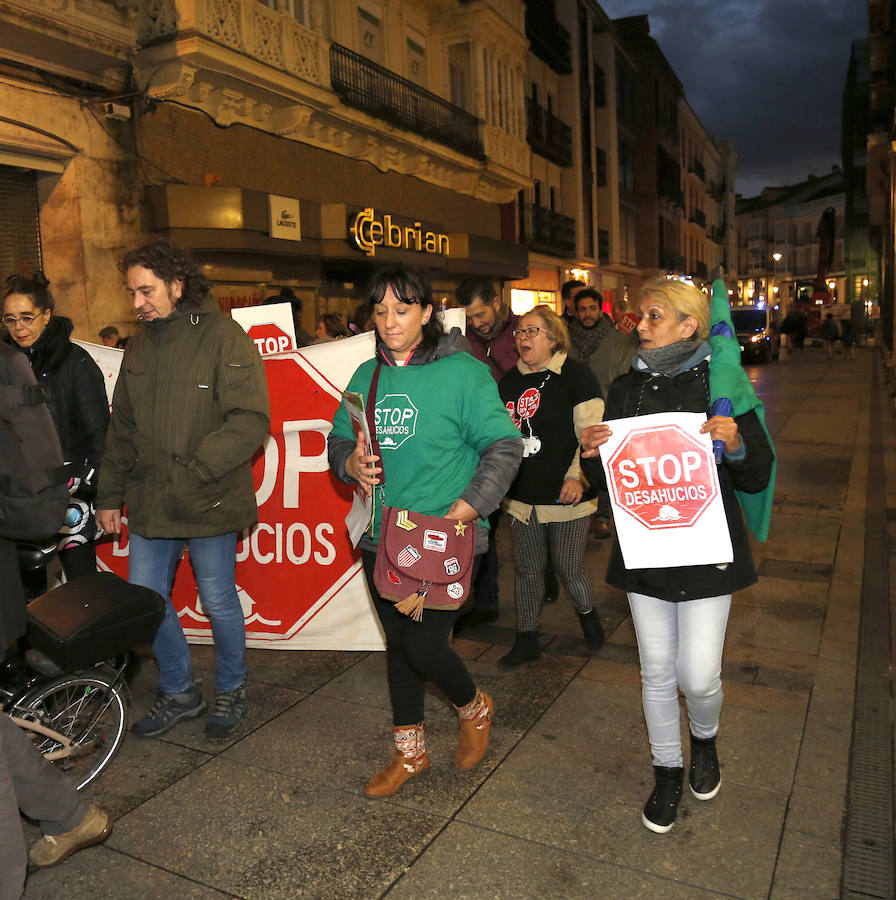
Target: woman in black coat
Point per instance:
(680, 613)
(75, 391)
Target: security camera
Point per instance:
(117, 111)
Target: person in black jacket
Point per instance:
(75, 391)
(680, 613)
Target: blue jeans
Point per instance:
(152, 564)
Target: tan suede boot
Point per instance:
(410, 759)
(475, 724)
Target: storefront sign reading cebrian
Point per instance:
(370, 232)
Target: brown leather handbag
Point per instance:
(423, 562)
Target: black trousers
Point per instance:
(417, 652)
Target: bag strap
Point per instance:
(369, 407)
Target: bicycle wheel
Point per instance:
(86, 710)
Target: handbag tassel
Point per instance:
(413, 605)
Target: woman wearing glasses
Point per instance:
(551, 398)
(75, 391)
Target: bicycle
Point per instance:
(74, 703)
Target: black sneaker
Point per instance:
(168, 710)
(662, 807)
(229, 708)
(705, 777)
(525, 649)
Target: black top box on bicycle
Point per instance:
(92, 619)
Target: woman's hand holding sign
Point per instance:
(361, 466)
(723, 428)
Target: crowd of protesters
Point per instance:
(190, 408)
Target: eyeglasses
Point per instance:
(9, 320)
(529, 332)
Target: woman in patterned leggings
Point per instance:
(551, 398)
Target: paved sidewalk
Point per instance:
(554, 810)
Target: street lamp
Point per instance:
(777, 256)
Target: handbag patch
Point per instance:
(452, 566)
(407, 557)
(455, 590)
(435, 540)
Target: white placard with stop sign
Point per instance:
(664, 490)
(270, 326)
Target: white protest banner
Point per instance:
(270, 326)
(109, 361)
(664, 490)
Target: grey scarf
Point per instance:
(669, 359)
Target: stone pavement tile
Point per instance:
(780, 892)
(265, 702)
(100, 872)
(580, 787)
(298, 670)
(840, 646)
(141, 769)
(790, 627)
(781, 660)
(261, 835)
(468, 648)
(300, 744)
(773, 592)
(759, 749)
(765, 699)
(811, 539)
(831, 675)
(466, 863)
(815, 811)
(817, 429)
(810, 863)
(623, 674)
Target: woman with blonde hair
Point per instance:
(550, 398)
(680, 613)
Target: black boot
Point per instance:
(662, 807)
(525, 649)
(592, 629)
(705, 777)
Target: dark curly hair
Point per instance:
(170, 263)
(36, 288)
(409, 285)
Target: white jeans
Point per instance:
(680, 645)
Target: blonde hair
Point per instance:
(555, 327)
(681, 298)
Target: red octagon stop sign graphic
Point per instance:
(297, 558)
(663, 477)
(270, 338)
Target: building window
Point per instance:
(603, 245)
(600, 86)
(416, 58)
(626, 165)
(600, 167)
(370, 34)
(459, 76)
(295, 8)
(20, 252)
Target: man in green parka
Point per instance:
(190, 409)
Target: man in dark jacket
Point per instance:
(190, 409)
(490, 325)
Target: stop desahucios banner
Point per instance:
(664, 489)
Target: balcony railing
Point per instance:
(698, 170)
(373, 89)
(549, 40)
(701, 270)
(547, 231)
(698, 217)
(547, 135)
(671, 261)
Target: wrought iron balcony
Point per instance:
(701, 270)
(547, 135)
(549, 40)
(547, 231)
(698, 217)
(697, 169)
(373, 89)
(671, 261)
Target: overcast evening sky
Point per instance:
(766, 74)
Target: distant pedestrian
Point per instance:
(331, 327)
(848, 339)
(288, 295)
(830, 334)
(800, 329)
(109, 336)
(568, 291)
